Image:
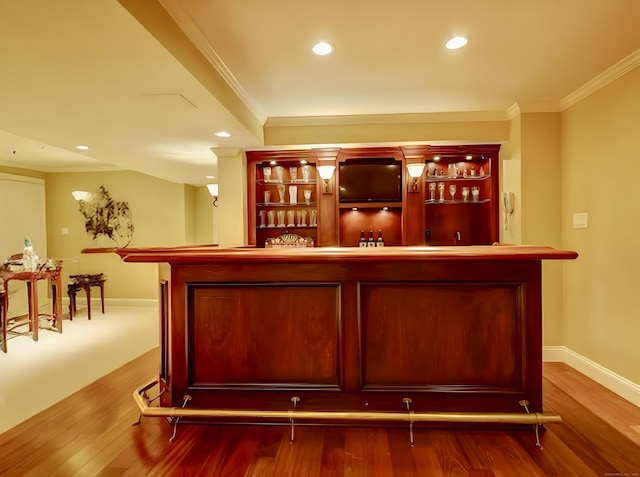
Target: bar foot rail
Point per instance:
(174, 414)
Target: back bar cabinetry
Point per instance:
(454, 202)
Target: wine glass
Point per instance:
(266, 172)
(441, 191)
(452, 191)
(432, 191)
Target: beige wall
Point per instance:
(541, 202)
(231, 213)
(163, 215)
(510, 174)
(600, 171)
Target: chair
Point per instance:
(85, 282)
(288, 240)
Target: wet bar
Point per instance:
(447, 329)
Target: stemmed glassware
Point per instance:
(452, 191)
(432, 191)
(307, 196)
(266, 172)
(441, 191)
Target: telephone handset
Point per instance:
(508, 199)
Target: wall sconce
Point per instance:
(213, 190)
(80, 195)
(326, 173)
(415, 172)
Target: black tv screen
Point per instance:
(370, 181)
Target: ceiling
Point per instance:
(144, 94)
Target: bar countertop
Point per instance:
(208, 254)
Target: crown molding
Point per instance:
(410, 118)
(621, 68)
(190, 27)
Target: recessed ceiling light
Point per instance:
(82, 148)
(209, 177)
(223, 134)
(322, 48)
(456, 42)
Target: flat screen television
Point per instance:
(370, 180)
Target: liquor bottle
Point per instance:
(380, 242)
(371, 242)
(363, 241)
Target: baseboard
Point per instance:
(95, 302)
(610, 380)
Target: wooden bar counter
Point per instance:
(453, 329)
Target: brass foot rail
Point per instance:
(176, 413)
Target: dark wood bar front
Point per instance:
(352, 329)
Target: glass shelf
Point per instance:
(456, 201)
(286, 204)
(459, 178)
(276, 182)
(282, 227)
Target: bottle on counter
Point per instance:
(371, 242)
(29, 258)
(363, 241)
(380, 241)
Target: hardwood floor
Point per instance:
(91, 433)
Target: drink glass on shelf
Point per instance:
(266, 173)
(293, 173)
(441, 191)
(465, 194)
(452, 191)
(307, 196)
(475, 194)
(293, 194)
(271, 215)
(279, 174)
(281, 193)
(432, 191)
(267, 196)
(305, 172)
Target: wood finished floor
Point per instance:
(91, 433)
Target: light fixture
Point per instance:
(213, 190)
(326, 173)
(80, 195)
(81, 147)
(222, 134)
(415, 172)
(456, 42)
(322, 48)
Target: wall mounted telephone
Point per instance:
(508, 199)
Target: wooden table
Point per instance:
(31, 280)
(454, 329)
